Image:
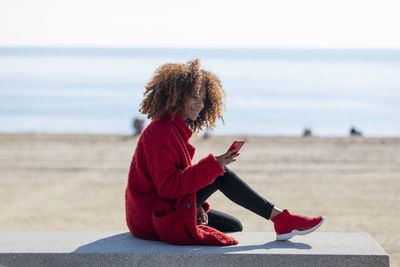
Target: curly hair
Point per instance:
(173, 83)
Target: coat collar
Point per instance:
(181, 125)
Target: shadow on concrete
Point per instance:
(270, 245)
(287, 244)
(120, 243)
(266, 246)
(126, 243)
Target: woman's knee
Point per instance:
(224, 222)
(231, 226)
(236, 226)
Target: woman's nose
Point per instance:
(199, 102)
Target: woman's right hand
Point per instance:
(227, 158)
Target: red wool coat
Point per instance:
(160, 198)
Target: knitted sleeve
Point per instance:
(164, 154)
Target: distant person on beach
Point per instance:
(206, 134)
(138, 126)
(355, 132)
(307, 132)
(166, 194)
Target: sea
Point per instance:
(270, 92)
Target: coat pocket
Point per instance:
(177, 226)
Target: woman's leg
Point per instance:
(223, 222)
(286, 224)
(238, 191)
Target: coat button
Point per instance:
(189, 206)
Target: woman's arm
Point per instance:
(164, 156)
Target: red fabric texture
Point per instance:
(160, 198)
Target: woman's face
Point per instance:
(193, 106)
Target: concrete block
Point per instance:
(122, 249)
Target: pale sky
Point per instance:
(207, 23)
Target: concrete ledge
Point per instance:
(122, 249)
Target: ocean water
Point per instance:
(270, 92)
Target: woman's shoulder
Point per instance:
(159, 136)
(162, 128)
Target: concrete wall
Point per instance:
(122, 249)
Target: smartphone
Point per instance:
(236, 145)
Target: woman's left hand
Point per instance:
(202, 217)
(227, 158)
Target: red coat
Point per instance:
(160, 197)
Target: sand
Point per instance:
(76, 182)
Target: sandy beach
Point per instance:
(76, 182)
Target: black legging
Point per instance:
(239, 192)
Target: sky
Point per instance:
(354, 24)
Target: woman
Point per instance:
(166, 194)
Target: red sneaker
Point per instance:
(288, 225)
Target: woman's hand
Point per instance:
(202, 217)
(227, 158)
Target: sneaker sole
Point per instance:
(287, 236)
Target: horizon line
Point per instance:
(198, 48)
